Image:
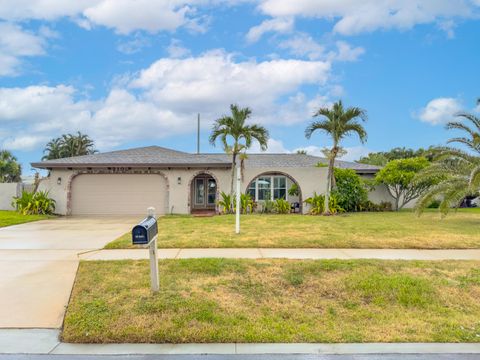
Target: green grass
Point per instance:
(357, 230)
(221, 300)
(8, 218)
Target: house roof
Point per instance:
(157, 156)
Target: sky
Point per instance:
(136, 72)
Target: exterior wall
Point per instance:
(7, 192)
(179, 181)
(56, 191)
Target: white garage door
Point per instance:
(118, 194)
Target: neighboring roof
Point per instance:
(156, 156)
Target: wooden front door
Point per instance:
(204, 193)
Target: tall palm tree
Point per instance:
(234, 128)
(457, 171)
(10, 169)
(338, 123)
(69, 145)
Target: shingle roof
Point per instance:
(156, 156)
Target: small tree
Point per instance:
(350, 191)
(10, 169)
(398, 176)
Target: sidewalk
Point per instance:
(385, 254)
(44, 341)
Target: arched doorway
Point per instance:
(203, 194)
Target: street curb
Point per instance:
(46, 341)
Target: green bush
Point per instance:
(435, 204)
(350, 190)
(30, 203)
(224, 204)
(317, 204)
(370, 206)
(246, 204)
(268, 206)
(281, 206)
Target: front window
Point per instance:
(268, 188)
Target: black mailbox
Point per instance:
(144, 232)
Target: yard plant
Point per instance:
(34, 203)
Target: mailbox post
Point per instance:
(146, 233)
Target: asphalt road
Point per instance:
(247, 357)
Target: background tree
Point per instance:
(381, 158)
(233, 128)
(10, 169)
(458, 170)
(398, 176)
(69, 145)
(338, 123)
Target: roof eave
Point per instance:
(43, 165)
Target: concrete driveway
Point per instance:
(38, 263)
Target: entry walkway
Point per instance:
(385, 254)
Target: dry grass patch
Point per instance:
(221, 300)
(400, 230)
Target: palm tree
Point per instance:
(457, 171)
(10, 169)
(234, 127)
(338, 123)
(69, 145)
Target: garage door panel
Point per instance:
(122, 194)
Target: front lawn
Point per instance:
(357, 230)
(8, 218)
(222, 300)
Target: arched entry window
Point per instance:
(273, 186)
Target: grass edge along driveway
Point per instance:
(225, 300)
(389, 230)
(9, 218)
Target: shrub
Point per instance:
(281, 206)
(350, 190)
(317, 204)
(370, 206)
(225, 202)
(435, 204)
(246, 203)
(34, 203)
(268, 207)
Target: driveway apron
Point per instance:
(38, 263)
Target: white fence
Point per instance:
(7, 192)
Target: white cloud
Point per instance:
(280, 25)
(15, 44)
(134, 45)
(345, 52)
(176, 50)
(164, 99)
(274, 147)
(212, 81)
(303, 45)
(439, 111)
(355, 17)
(124, 16)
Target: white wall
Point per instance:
(7, 192)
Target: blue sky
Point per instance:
(135, 72)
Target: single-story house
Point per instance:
(128, 181)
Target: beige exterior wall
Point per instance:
(179, 181)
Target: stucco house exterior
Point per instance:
(126, 182)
